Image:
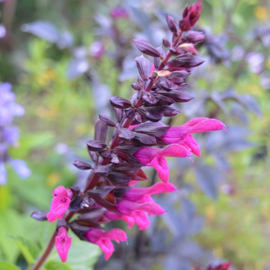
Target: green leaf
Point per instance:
(28, 249)
(55, 265)
(8, 266)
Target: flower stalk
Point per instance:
(109, 193)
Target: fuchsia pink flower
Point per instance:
(62, 243)
(60, 203)
(182, 144)
(103, 239)
(155, 157)
(141, 197)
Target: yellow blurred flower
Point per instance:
(261, 13)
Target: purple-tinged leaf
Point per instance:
(106, 153)
(178, 76)
(130, 113)
(171, 24)
(144, 67)
(184, 61)
(120, 103)
(101, 131)
(95, 145)
(82, 165)
(156, 129)
(126, 152)
(102, 170)
(119, 178)
(163, 100)
(39, 215)
(106, 120)
(101, 192)
(193, 37)
(166, 43)
(126, 134)
(135, 86)
(144, 139)
(149, 97)
(145, 47)
(177, 96)
(118, 114)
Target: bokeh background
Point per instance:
(65, 58)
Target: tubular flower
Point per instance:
(183, 134)
(103, 239)
(155, 157)
(62, 243)
(60, 203)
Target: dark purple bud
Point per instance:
(156, 129)
(120, 103)
(135, 86)
(178, 76)
(94, 145)
(101, 131)
(164, 100)
(79, 230)
(190, 16)
(144, 139)
(82, 165)
(184, 61)
(193, 37)
(166, 43)
(106, 120)
(126, 134)
(145, 47)
(39, 215)
(170, 112)
(144, 67)
(171, 24)
(178, 96)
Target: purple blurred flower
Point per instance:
(9, 135)
(20, 167)
(3, 31)
(8, 108)
(255, 62)
(3, 174)
(119, 12)
(97, 49)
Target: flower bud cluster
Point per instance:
(138, 138)
(9, 135)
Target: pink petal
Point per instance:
(113, 216)
(116, 234)
(58, 208)
(60, 192)
(161, 166)
(191, 143)
(62, 243)
(146, 154)
(174, 134)
(202, 124)
(141, 219)
(127, 207)
(135, 194)
(107, 247)
(175, 150)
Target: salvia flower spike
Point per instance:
(139, 139)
